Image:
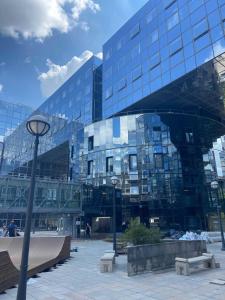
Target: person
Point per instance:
(78, 228)
(4, 231)
(124, 226)
(12, 229)
(88, 231)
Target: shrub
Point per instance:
(138, 234)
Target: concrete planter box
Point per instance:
(146, 258)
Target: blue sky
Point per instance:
(43, 42)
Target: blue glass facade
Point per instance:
(148, 114)
(75, 104)
(164, 41)
(79, 97)
(11, 116)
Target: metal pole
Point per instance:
(21, 293)
(220, 221)
(114, 220)
(221, 227)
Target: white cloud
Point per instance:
(57, 75)
(99, 55)
(38, 18)
(1, 87)
(27, 60)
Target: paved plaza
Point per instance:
(80, 279)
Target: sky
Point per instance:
(43, 42)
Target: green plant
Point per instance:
(138, 234)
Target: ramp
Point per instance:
(45, 252)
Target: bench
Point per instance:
(183, 264)
(107, 261)
(111, 251)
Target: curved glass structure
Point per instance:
(159, 160)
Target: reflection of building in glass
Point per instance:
(76, 103)
(148, 114)
(11, 115)
(218, 157)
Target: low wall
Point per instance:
(146, 258)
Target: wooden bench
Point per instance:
(183, 264)
(107, 261)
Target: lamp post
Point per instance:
(38, 126)
(114, 182)
(214, 186)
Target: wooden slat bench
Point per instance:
(183, 264)
(107, 261)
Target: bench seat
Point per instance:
(183, 264)
(107, 261)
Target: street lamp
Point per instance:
(214, 186)
(114, 182)
(38, 126)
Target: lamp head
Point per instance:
(37, 125)
(114, 180)
(214, 185)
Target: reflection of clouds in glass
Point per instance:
(219, 47)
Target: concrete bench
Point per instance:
(111, 251)
(107, 261)
(183, 264)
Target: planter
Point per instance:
(146, 258)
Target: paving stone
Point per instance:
(80, 279)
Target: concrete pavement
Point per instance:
(80, 279)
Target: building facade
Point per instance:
(75, 104)
(149, 113)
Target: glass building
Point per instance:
(75, 104)
(149, 113)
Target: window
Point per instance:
(108, 73)
(72, 151)
(108, 53)
(189, 136)
(175, 46)
(222, 77)
(87, 90)
(154, 36)
(133, 162)
(108, 92)
(122, 84)
(200, 29)
(134, 190)
(109, 164)
(116, 127)
(151, 15)
(135, 31)
(156, 134)
(168, 3)
(137, 72)
(71, 173)
(194, 4)
(88, 73)
(154, 60)
(158, 161)
(90, 167)
(119, 44)
(173, 21)
(135, 51)
(90, 143)
(51, 194)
